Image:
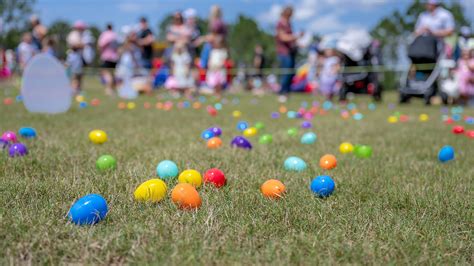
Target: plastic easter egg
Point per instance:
(82, 105)
(167, 170)
(236, 114)
(392, 119)
(98, 136)
(273, 189)
(275, 115)
(185, 196)
(131, 105)
(216, 131)
(259, 125)
(214, 143)
(106, 162)
(242, 125)
(291, 114)
(211, 111)
(207, 134)
(306, 125)
(404, 118)
(295, 164)
(358, 116)
(265, 139)
(88, 210)
(153, 190)
(372, 106)
(95, 102)
(80, 98)
(190, 176)
(121, 105)
(470, 134)
(323, 186)
(423, 118)
(241, 142)
(308, 138)
(346, 147)
(9, 136)
(215, 176)
(27, 132)
(363, 151)
(446, 154)
(458, 130)
(218, 106)
(250, 132)
(328, 162)
(282, 109)
(4, 144)
(17, 149)
(292, 132)
(7, 101)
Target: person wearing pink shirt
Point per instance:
(108, 48)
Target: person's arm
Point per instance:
(147, 40)
(286, 37)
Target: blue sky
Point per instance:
(318, 16)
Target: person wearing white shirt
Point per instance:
(435, 21)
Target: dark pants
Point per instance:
(287, 65)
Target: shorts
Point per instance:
(109, 64)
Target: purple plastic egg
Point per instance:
(216, 130)
(306, 124)
(241, 142)
(17, 149)
(275, 115)
(9, 136)
(3, 144)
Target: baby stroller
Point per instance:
(423, 82)
(359, 51)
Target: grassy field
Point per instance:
(401, 206)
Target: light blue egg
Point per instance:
(291, 114)
(218, 106)
(186, 104)
(358, 116)
(295, 164)
(242, 125)
(372, 106)
(456, 117)
(308, 138)
(351, 106)
(27, 132)
(327, 105)
(202, 99)
(167, 170)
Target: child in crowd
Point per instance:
(329, 76)
(48, 46)
(75, 65)
(466, 76)
(180, 79)
(216, 77)
(26, 50)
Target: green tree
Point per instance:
(14, 14)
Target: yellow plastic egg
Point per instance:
(131, 105)
(392, 119)
(153, 190)
(79, 98)
(236, 114)
(423, 117)
(250, 132)
(98, 136)
(346, 147)
(190, 176)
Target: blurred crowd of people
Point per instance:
(194, 61)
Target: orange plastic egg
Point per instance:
(328, 162)
(273, 188)
(186, 196)
(214, 143)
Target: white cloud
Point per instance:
(271, 15)
(130, 7)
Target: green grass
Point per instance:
(400, 207)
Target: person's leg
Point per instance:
(285, 77)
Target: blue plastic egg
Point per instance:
(242, 125)
(294, 163)
(218, 106)
(322, 186)
(291, 114)
(167, 170)
(88, 210)
(457, 117)
(207, 134)
(358, 116)
(82, 105)
(327, 105)
(308, 138)
(446, 154)
(372, 106)
(27, 132)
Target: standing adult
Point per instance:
(435, 21)
(145, 41)
(38, 32)
(108, 48)
(286, 51)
